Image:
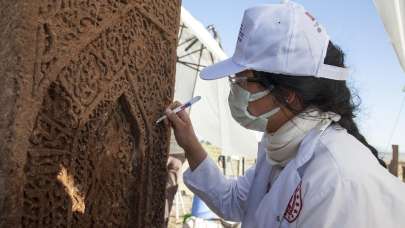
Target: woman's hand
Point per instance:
(185, 135)
(182, 127)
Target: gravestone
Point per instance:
(82, 83)
(393, 166)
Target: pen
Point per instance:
(181, 108)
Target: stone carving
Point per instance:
(102, 72)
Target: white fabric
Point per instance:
(392, 13)
(211, 116)
(284, 143)
(279, 38)
(340, 181)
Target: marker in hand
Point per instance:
(181, 108)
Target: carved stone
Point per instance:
(82, 83)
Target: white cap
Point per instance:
(282, 39)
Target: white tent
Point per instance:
(392, 13)
(211, 116)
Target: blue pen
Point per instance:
(181, 108)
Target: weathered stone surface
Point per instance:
(81, 85)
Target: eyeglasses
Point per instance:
(242, 81)
(238, 80)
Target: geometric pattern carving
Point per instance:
(102, 73)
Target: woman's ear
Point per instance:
(290, 98)
(293, 100)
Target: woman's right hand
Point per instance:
(185, 135)
(182, 127)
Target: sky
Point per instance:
(355, 26)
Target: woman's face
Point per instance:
(265, 104)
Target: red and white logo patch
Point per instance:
(294, 207)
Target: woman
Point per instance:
(314, 168)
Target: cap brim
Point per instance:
(221, 69)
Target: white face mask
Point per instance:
(239, 99)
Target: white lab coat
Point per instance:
(333, 182)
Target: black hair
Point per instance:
(324, 94)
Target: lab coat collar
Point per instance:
(306, 149)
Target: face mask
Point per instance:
(239, 99)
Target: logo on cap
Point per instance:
(317, 25)
(310, 16)
(241, 35)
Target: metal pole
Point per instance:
(394, 128)
(238, 168)
(222, 160)
(243, 165)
